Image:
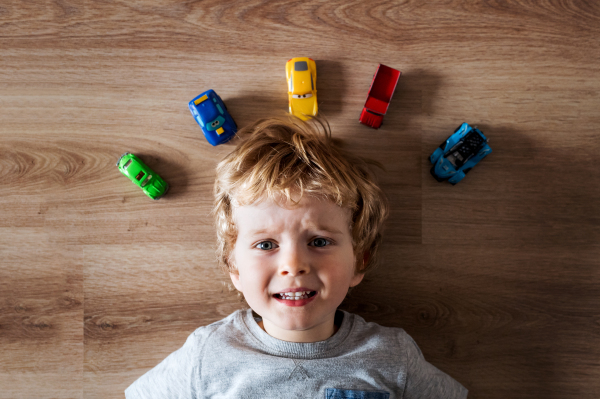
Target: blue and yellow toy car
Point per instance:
(459, 154)
(211, 114)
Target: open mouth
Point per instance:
(295, 296)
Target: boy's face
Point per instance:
(281, 253)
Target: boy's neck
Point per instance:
(316, 334)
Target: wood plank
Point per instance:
(495, 278)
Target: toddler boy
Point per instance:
(298, 223)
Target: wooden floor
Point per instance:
(496, 278)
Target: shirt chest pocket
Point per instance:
(334, 393)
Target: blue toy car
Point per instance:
(211, 114)
(459, 154)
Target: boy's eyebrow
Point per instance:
(319, 228)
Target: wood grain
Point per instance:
(497, 278)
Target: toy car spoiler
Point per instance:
(379, 97)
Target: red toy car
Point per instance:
(380, 94)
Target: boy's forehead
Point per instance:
(311, 212)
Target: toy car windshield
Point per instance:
(301, 66)
(465, 149)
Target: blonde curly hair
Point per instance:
(278, 159)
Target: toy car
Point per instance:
(211, 114)
(379, 97)
(301, 75)
(456, 156)
(144, 177)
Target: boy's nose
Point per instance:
(293, 264)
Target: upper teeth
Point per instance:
(294, 295)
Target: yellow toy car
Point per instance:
(301, 75)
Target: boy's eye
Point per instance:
(265, 245)
(320, 242)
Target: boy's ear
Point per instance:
(356, 279)
(361, 263)
(235, 279)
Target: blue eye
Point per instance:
(265, 245)
(320, 242)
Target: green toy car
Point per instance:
(144, 177)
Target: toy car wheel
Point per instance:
(456, 130)
(467, 170)
(443, 145)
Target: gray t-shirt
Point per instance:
(235, 358)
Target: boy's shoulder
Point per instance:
(386, 336)
(223, 325)
(371, 330)
(181, 369)
(393, 348)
